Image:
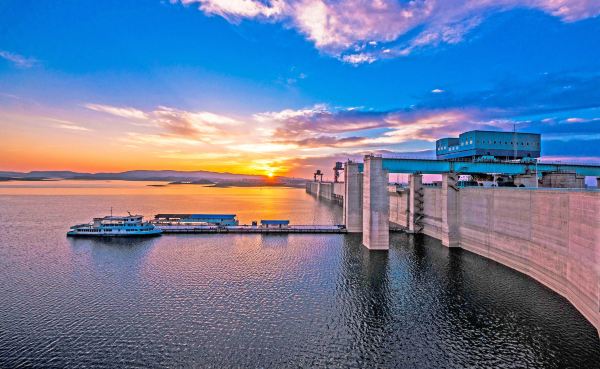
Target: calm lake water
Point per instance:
(258, 300)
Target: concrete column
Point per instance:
(526, 180)
(415, 202)
(563, 180)
(353, 196)
(376, 205)
(450, 213)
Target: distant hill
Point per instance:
(11, 174)
(157, 175)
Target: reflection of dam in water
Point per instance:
(552, 235)
(265, 300)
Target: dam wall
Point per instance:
(551, 235)
(338, 189)
(399, 206)
(327, 190)
(432, 212)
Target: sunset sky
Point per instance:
(284, 87)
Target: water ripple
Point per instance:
(265, 301)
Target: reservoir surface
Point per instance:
(258, 300)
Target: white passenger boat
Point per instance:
(116, 226)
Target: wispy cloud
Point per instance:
(439, 113)
(359, 58)
(567, 117)
(66, 124)
(124, 112)
(314, 128)
(576, 120)
(236, 9)
(202, 125)
(73, 127)
(362, 31)
(18, 60)
(443, 113)
(9, 96)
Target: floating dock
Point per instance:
(171, 229)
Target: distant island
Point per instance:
(173, 177)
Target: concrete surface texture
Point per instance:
(450, 210)
(526, 180)
(562, 180)
(353, 198)
(550, 235)
(376, 206)
(339, 188)
(432, 212)
(415, 203)
(399, 207)
(327, 190)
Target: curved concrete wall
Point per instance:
(551, 235)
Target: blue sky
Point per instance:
(284, 86)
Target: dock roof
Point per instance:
(275, 222)
(196, 216)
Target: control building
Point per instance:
(489, 145)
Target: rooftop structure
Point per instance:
(219, 219)
(115, 219)
(274, 222)
(474, 145)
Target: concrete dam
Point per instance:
(549, 234)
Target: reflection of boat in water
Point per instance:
(116, 226)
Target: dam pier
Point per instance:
(549, 234)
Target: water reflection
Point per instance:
(263, 300)
(123, 254)
(274, 240)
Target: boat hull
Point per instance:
(153, 233)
